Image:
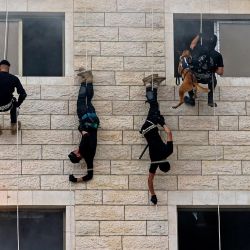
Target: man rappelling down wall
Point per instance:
(88, 126)
(8, 84)
(158, 150)
(206, 61)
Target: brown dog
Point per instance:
(189, 79)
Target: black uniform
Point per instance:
(206, 76)
(87, 149)
(89, 122)
(8, 83)
(158, 150)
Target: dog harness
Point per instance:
(144, 131)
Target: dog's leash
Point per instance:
(177, 81)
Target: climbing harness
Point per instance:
(152, 126)
(6, 107)
(158, 162)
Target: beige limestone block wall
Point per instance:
(112, 211)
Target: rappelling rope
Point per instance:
(17, 158)
(216, 158)
(215, 141)
(152, 57)
(71, 205)
(201, 27)
(17, 127)
(86, 43)
(6, 31)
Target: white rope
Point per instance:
(17, 158)
(86, 43)
(70, 217)
(216, 158)
(6, 31)
(70, 188)
(201, 28)
(215, 141)
(152, 57)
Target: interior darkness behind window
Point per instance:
(39, 230)
(42, 46)
(198, 229)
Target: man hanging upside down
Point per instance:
(158, 150)
(88, 126)
(8, 84)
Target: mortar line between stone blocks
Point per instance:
(122, 242)
(238, 122)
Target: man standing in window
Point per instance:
(206, 61)
(8, 84)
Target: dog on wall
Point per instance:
(189, 80)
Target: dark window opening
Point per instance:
(38, 230)
(198, 229)
(37, 48)
(184, 32)
(42, 46)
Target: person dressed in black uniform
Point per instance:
(206, 61)
(88, 125)
(158, 150)
(8, 84)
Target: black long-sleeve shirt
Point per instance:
(8, 83)
(88, 147)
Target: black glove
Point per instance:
(161, 120)
(73, 158)
(154, 199)
(72, 178)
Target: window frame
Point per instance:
(30, 210)
(201, 199)
(20, 43)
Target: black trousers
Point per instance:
(154, 112)
(84, 104)
(211, 87)
(13, 111)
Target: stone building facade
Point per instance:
(211, 159)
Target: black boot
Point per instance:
(189, 100)
(211, 102)
(151, 95)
